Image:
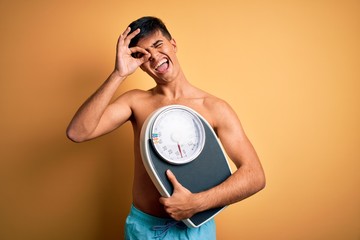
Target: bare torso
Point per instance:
(143, 103)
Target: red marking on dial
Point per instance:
(180, 150)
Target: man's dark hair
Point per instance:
(147, 25)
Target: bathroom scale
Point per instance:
(178, 138)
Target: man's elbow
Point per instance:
(260, 181)
(74, 135)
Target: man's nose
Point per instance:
(153, 54)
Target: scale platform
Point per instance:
(197, 158)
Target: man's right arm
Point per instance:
(97, 116)
(94, 117)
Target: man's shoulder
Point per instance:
(138, 92)
(135, 94)
(219, 109)
(213, 102)
(132, 97)
(208, 99)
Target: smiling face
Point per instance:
(163, 64)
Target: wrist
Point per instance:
(201, 201)
(117, 75)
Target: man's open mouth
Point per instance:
(162, 66)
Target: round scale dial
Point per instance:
(178, 135)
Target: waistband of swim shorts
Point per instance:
(147, 217)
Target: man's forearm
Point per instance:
(89, 114)
(240, 185)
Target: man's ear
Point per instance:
(173, 42)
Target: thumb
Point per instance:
(172, 179)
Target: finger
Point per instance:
(124, 34)
(172, 179)
(140, 53)
(130, 36)
(162, 200)
(134, 33)
(139, 49)
(127, 30)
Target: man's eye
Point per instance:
(137, 55)
(158, 45)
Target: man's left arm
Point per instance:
(248, 179)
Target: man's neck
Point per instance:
(179, 88)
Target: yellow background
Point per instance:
(290, 69)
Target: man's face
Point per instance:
(162, 64)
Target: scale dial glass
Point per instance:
(178, 135)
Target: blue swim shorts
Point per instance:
(142, 226)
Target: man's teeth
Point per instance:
(161, 63)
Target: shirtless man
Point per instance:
(147, 44)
